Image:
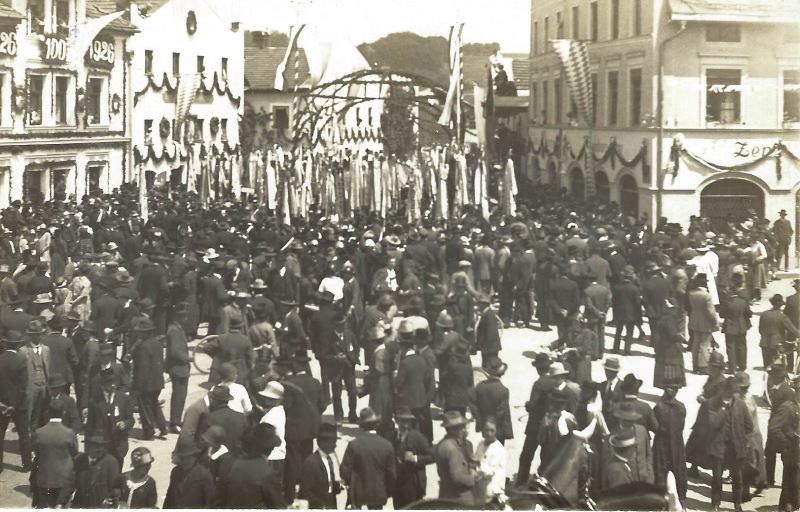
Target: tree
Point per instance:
(410, 53)
(397, 123)
(254, 129)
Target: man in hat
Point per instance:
(487, 331)
(271, 399)
(374, 314)
(611, 388)
(630, 394)
(14, 317)
(8, 287)
(236, 308)
(232, 347)
(320, 334)
(110, 411)
(786, 430)
(13, 395)
(703, 321)
(628, 418)
(63, 356)
(148, 379)
(597, 302)
(669, 449)
(536, 406)
(55, 446)
(191, 484)
(368, 465)
(60, 397)
(304, 404)
(697, 444)
(107, 310)
(252, 483)
(792, 310)
(413, 452)
(735, 313)
(101, 358)
(455, 461)
(414, 384)
(177, 367)
(492, 400)
(775, 328)
(96, 473)
(212, 299)
(292, 334)
(219, 413)
(779, 390)
(782, 229)
(37, 357)
(153, 284)
(619, 470)
(318, 482)
(340, 357)
(655, 291)
(220, 456)
(627, 306)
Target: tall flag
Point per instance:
(280, 72)
(187, 89)
(453, 100)
(574, 58)
(143, 211)
(82, 35)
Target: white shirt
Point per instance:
(277, 418)
(492, 460)
(391, 278)
(324, 456)
(241, 399)
(333, 284)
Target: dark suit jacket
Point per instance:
(598, 300)
(303, 403)
(627, 303)
(26, 351)
(411, 479)
(655, 291)
(63, 356)
(315, 484)
(252, 483)
(15, 321)
(94, 483)
(148, 366)
(177, 360)
(13, 380)
(775, 328)
(491, 399)
(368, 468)
(566, 294)
(320, 328)
(107, 311)
(537, 404)
(235, 348)
(792, 310)
(736, 314)
(152, 284)
(191, 487)
(104, 416)
(55, 446)
(609, 399)
(487, 334)
(234, 423)
(414, 383)
(213, 296)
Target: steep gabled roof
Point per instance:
(99, 8)
(261, 65)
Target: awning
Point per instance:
(740, 11)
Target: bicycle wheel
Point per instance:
(200, 359)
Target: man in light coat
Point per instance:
(703, 321)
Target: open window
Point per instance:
(723, 96)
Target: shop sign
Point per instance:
(101, 53)
(54, 50)
(730, 152)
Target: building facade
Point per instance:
(721, 137)
(178, 39)
(63, 118)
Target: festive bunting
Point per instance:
(574, 58)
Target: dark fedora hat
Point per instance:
(327, 430)
(404, 413)
(95, 437)
(36, 326)
(14, 338)
(631, 385)
(542, 361)
(221, 393)
(626, 411)
(368, 417)
(496, 367)
(453, 419)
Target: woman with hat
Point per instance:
(697, 444)
(135, 487)
(251, 482)
(413, 453)
(668, 346)
(381, 389)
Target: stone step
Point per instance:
(790, 274)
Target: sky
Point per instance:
(504, 21)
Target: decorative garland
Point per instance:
(149, 154)
(203, 89)
(777, 151)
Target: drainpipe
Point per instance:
(660, 120)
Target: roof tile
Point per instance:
(261, 65)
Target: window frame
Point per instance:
(275, 109)
(635, 120)
(69, 113)
(782, 121)
(44, 21)
(576, 22)
(638, 18)
(706, 91)
(104, 114)
(6, 97)
(594, 22)
(147, 130)
(148, 62)
(176, 64)
(43, 110)
(614, 21)
(612, 101)
(200, 66)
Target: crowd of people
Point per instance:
(100, 307)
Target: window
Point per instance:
(223, 129)
(197, 130)
(593, 21)
(613, 93)
(224, 68)
(637, 17)
(791, 96)
(176, 64)
(176, 135)
(61, 16)
(614, 19)
(36, 16)
(535, 38)
(723, 96)
(594, 97)
(545, 42)
(95, 89)
(280, 118)
(201, 63)
(559, 26)
(557, 97)
(93, 173)
(545, 106)
(61, 90)
(34, 100)
(635, 94)
(534, 97)
(148, 62)
(148, 132)
(576, 23)
(723, 33)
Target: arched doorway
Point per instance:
(629, 196)
(728, 200)
(602, 188)
(576, 184)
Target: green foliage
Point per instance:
(397, 123)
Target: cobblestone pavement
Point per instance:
(519, 347)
